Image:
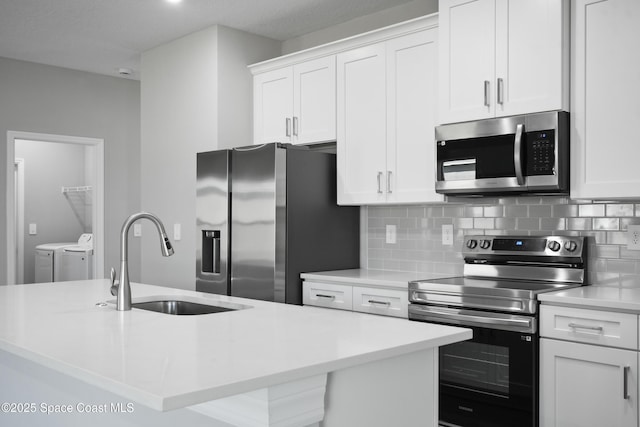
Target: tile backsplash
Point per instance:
(419, 247)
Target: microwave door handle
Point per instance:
(517, 153)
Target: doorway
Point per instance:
(86, 202)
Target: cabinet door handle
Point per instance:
(487, 87)
(500, 91)
(295, 126)
(373, 301)
(379, 182)
(326, 296)
(588, 327)
(389, 182)
(625, 382)
(287, 130)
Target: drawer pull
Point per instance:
(588, 327)
(326, 296)
(625, 382)
(372, 301)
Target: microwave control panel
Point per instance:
(540, 156)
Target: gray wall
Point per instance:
(45, 99)
(197, 95)
(362, 24)
(58, 218)
(419, 233)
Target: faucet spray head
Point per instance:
(166, 247)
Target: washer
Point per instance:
(74, 262)
(45, 260)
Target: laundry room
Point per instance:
(53, 211)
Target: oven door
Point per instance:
(490, 380)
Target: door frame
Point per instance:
(98, 196)
(19, 217)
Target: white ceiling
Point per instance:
(103, 35)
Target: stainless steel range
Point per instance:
(492, 379)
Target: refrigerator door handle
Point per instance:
(250, 148)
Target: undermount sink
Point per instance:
(179, 307)
(183, 305)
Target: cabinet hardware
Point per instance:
(501, 91)
(517, 153)
(379, 183)
(295, 126)
(287, 130)
(372, 301)
(625, 382)
(389, 182)
(326, 296)
(486, 92)
(590, 328)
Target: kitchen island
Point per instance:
(67, 358)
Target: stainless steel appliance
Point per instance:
(265, 214)
(492, 379)
(517, 154)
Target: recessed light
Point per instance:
(173, 1)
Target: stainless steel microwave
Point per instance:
(517, 154)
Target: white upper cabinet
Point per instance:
(386, 117)
(502, 57)
(273, 106)
(411, 110)
(605, 103)
(467, 65)
(362, 125)
(314, 101)
(296, 104)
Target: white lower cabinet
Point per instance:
(387, 302)
(374, 300)
(584, 381)
(327, 295)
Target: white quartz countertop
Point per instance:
(596, 297)
(360, 276)
(168, 362)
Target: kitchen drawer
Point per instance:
(589, 326)
(387, 302)
(327, 295)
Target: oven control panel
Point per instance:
(530, 245)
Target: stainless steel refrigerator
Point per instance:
(265, 214)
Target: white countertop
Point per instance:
(360, 276)
(596, 297)
(167, 362)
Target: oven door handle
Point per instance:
(451, 315)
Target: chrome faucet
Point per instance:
(122, 289)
